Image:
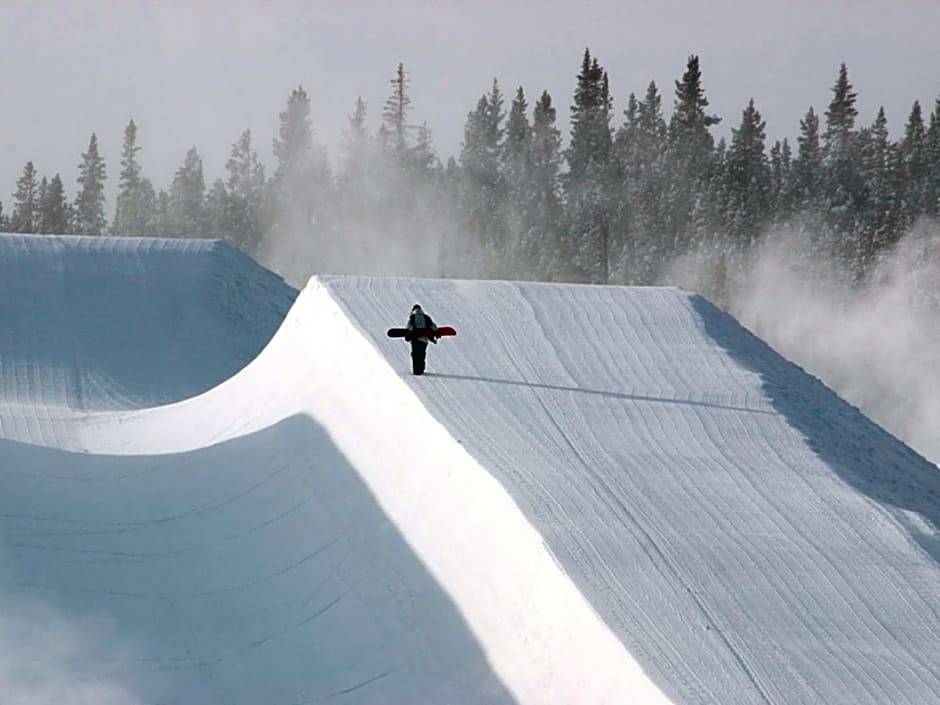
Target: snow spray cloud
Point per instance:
(43, 660)
(376, 219)
(877, 345)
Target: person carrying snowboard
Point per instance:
(421, 330)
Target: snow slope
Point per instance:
(112, 323)
(596, 495)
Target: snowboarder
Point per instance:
(423, 330)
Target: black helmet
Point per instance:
(416, 307)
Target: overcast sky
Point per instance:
(200, 72)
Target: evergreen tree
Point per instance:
(840, 119)
(691, 156)
(55, 208)
(301, 189)
(880, 218)
(40, 203)
(748, 178)
(89, 202)
(588, 181)
(186, 212)
(395, 112)
(25, 217)
(641, 145)
(516, 168)
(130, 216)
(422, 157)
(915, 156)
(218, 213)
(843, 185)
(781, 180)
(356, 146)
(808, 175)
(516, 148)
(237, 205)
(933, 152)
(482, 188)
(293, 148)
(540, 241)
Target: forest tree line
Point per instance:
(622, 199)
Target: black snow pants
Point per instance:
(419, 350)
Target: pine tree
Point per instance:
(301, 189)
(422, 160)
(25, 216)
(218, 213)
(89, 202)
(130, 216)
(540, 242)
(516, 169)
(880, 218)
(237, 205)
(294, 144)
(933, 151)
(842, 183)
(55, 208)
(186, 212)
(748, 178)
(588, 181)
(395, 112)
(482, 186)
(41, 194)
(781, 179)
(516, 148)
(915, 156)
(808, 165)
(640, 146)
(691, 156)
(356, 145)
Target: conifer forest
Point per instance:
(541, 189)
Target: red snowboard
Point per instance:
(423, 333)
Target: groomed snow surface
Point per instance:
(214, 489)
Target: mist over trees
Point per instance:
(609, 197)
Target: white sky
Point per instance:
(199, 72)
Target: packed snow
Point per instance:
(595, 495)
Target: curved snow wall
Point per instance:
(116, 323)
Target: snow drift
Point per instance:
(598, 494)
